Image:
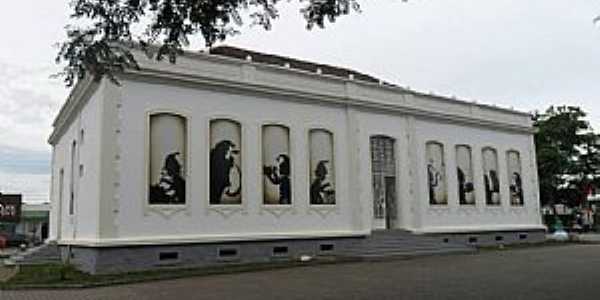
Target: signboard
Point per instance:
(10, 208)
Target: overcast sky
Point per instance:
(512, 53)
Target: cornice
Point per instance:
(201, 70)
(347, 98)
(82, 90)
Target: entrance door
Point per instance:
(383, 166)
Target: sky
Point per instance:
(512, 53)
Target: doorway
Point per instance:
(383, 166)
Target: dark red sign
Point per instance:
(10, 208)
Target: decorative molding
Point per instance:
(212, 238)
(226, 210)
(438, 210)
(278, 210)
(323, 210)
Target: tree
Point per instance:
(103, 45)
(568, 155)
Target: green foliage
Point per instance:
(568, 155)
(101, 47)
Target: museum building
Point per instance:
(237, 156)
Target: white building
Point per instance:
(326, 154)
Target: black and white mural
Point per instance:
(464, 171)
(490, 176)
(225, 162)
(167, 159)
(277, 181)
(436, 173)
(514, 177)
(322, 169)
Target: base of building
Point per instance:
(493, 238)
(103, 260)
(106, 260)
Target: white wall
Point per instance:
(136, 220)
(455, 217)
(83, 224)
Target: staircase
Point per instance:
(44, 254)
(401, 244)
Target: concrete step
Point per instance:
(47, 253)
(405, 254)
(399, 243)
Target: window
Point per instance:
(322, 168)
(326, 247)
(72, 178)
(225, 162)
(515, 180)
(277, 167)
(228, 254)
(167, 159)
(464, 175)
(280, 251)
(168, 256)
(61, 186)
(490, 176)
(81, 136)
(436, 173)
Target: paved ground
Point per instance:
(560, 272)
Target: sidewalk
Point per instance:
(586, 237)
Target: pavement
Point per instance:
(552, 272)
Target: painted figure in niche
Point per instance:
(434, 176)
(280, 175)
(492, 187)
(223, 171)
(321, 191)
(170, 188)
(464, 187)
(516, 189)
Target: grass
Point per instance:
(67, 276)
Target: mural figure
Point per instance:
(516, 190)
(280, 175)
(464, 187)
(434, 178)
(464, 171)
(492, 188)
(514, 178)
(223, 168)
(170, 188)
(436, 173)
(321, 191)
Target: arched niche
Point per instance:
(167, 159)
(225, 162)
(515, 180)
(491, 178)
(276, 165)
(436, 173)
(322, 167)
(464, 175)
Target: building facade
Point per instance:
(226, 153)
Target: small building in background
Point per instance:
(23, 223)
(34, 221)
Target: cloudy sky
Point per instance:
(512, 53)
